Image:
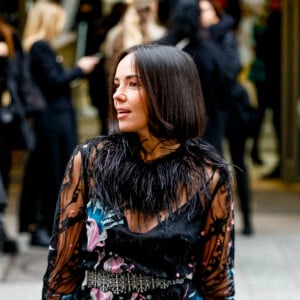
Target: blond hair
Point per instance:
(130, 31)
(45, 21)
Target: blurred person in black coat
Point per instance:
(12, 99)
(219, 28)
(55, 127)
(10, 89)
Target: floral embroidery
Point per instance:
(97, 223)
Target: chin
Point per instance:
(126, 129)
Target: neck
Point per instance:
(155, 148)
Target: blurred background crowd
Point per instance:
(55, 58)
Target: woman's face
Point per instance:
(130, 101)
(208, 15)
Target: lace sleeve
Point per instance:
(215, 274)
(63, 275)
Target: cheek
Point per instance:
(143, 105)
(143, 112)
(146, 118)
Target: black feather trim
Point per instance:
(122, 180)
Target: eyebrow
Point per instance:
(129, 77)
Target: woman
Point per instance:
(219, 29)
(12, 98)
(147, 211)
(55, 127)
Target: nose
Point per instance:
(119, 94)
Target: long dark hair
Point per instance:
(175, 102)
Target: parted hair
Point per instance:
(174, 95)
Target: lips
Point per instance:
(122, 113)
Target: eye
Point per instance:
(135, 84)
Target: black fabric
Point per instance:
(91, 230)
(51, 77)
(21, 135)
(242, 112)
(35, 100)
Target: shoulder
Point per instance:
(226, 24)
(205, 154)
(203, 149)
(40, 47)
(40, 44)
(216, 167)
(169, 38)
(101, 144)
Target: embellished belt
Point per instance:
(123, 283)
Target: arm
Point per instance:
(45, 65)
(214, 277)
(63, 275)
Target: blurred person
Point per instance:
(257, 75)
(273, 76)
(146, 212)
(12, 105)
(265, 72)
(185, 33)
(138, 25)
(89, 12)
(98, 78)
(12, 95)
(233, 9)
(219, 28)
(8, 49)
(103, 24)
(55, 127)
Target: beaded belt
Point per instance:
(123, 283)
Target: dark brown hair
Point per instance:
(171, 81)
(6, 35)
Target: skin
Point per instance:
(130, 99)
(130, 103)
(208, 16)
(3, 49)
